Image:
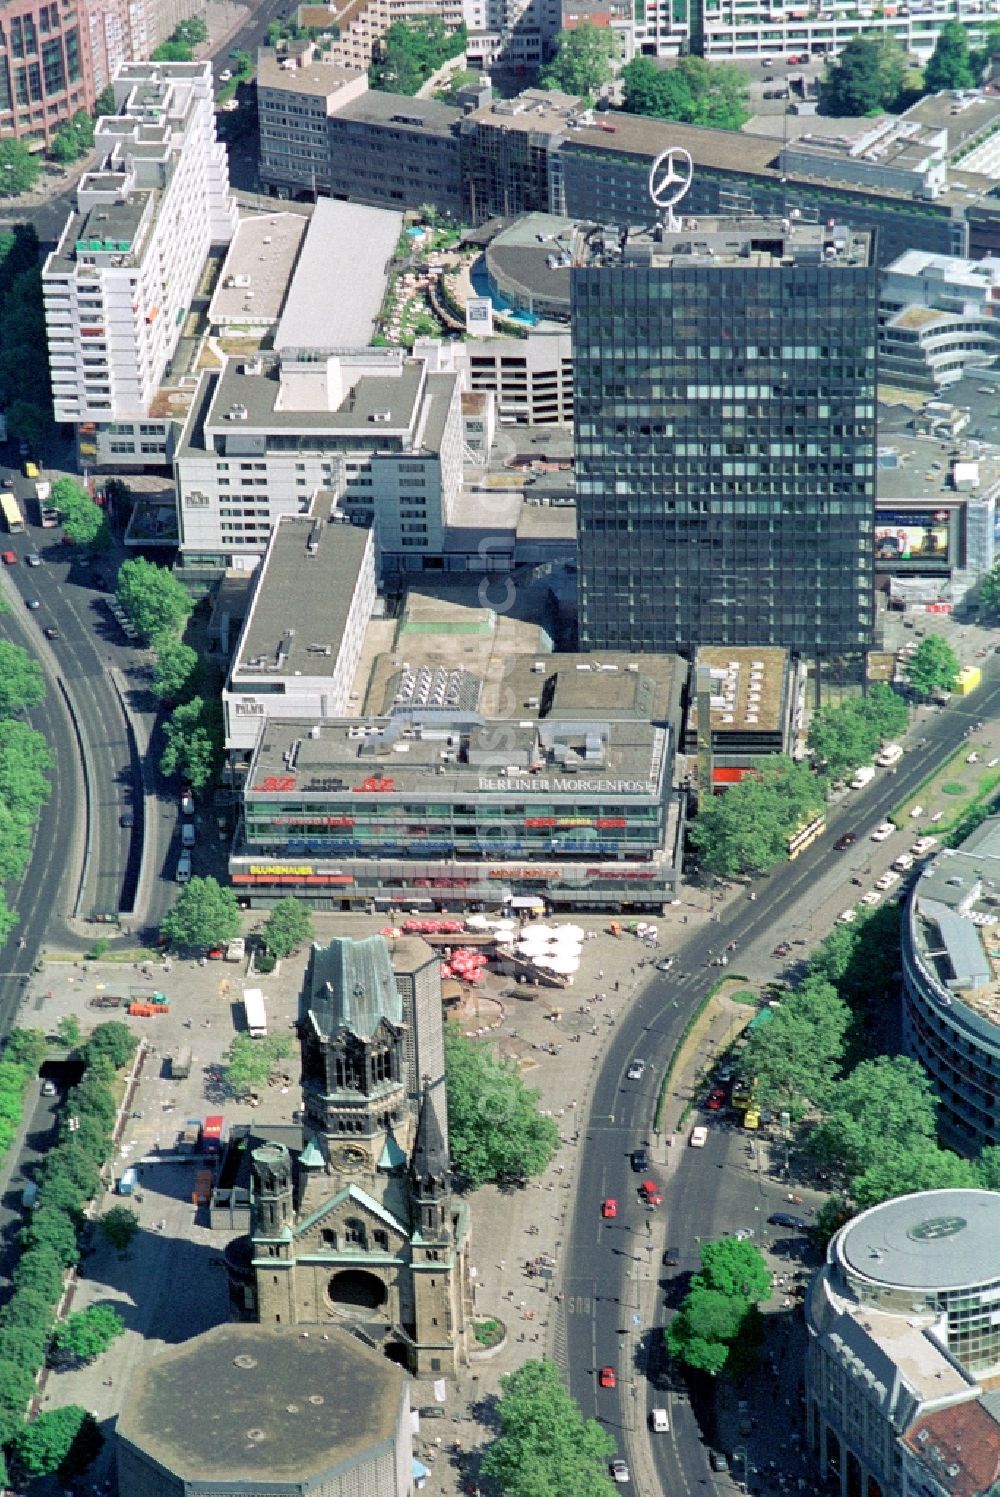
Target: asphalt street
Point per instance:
(606, 1262)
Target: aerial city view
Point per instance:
(500, 748)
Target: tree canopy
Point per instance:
(933, 666)
(249, 1063)
(193, 741)
(73, 139)
(173, 667)
(950, 64)
(289, 925)
(204, 914)
(495, 1127)
(545, 1447)
(66, 1440)
(989, 587)
(87, 1333)
(691, 91)
(411, 51)
(798, 1054)
(83, 520)
(119, 1225)
(19, 169)
(156, 603)
(582, 63)
(746, 829)
(844, 736)
(718, 1326)
(869, 75)
(21, 681)
(882, 1110)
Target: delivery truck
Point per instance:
(211, 1134)
(180, 1064)
(256, 1014)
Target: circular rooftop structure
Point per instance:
(932, 1241)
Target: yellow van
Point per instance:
(751, 1118)
(31, 470)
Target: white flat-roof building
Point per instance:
(902, 1324)
(118, 288)
(340, 279)
(938, 317)
(258, 269)
(300, 645)
(264, 435)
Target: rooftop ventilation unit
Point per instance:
(380, 417)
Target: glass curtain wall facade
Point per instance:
(725, 455)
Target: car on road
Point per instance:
(786, 1219)
(640, 1161)
(609, 1208)
(884, 830)
(699, 1137)
(226, 75)
(782, 949)
(665, 963)
(651, 1193)
(870, 898)
(716, 1099)
(636, 1070)
(671, 1257)
(187, 803)
(127, 818)
(51, 633)
(9, 558)
(887, 880)
(743, 1234)
(724, 1074)
(619, 1471)
(606, 1377)
(48, 1088)
(847, 917)
(846, 841)
(32, 603)
(718, 1461)
(32, 559)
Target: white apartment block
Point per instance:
(300, 646)
(511, 31)
(119, 287)
(378, 429)
(731, 29)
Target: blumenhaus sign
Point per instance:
(571, 785)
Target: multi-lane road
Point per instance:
(606, 1262)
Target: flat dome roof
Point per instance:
(934, 1239)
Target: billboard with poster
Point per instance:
(915, 539)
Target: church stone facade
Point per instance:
(360, 1227)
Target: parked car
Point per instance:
(640, 1161)
(9, 558)
(786, 1219)
(846, 841)
(609, 1208)
(619, 1471)
(671, 1257)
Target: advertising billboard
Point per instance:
(915, 540)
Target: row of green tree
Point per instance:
(180, 44)
(64, 1439)
(25, 388)
(872, 1118)
(24, 761)
(873, 72)
(411, 51)
(207, 913)
(747, 829)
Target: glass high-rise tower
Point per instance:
(725, 437)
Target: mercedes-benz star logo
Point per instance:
(670, 177)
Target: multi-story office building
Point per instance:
(724, 384)
(263, 436)
(45, 72)
(938, 317)
(904, 1344)
(951, 986)
(119, 286)
(323, 131)
(475, 767)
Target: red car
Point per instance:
(782, 948)
(9, 558)
(609, 1207)
(716, 1099)
(606, 1377)
(650, 1192)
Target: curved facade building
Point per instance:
(45, 74)
(951, 986)
(902, 1323)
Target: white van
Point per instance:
(699, 1137)
(658, 1421)
(187, 834)
(183, 868)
